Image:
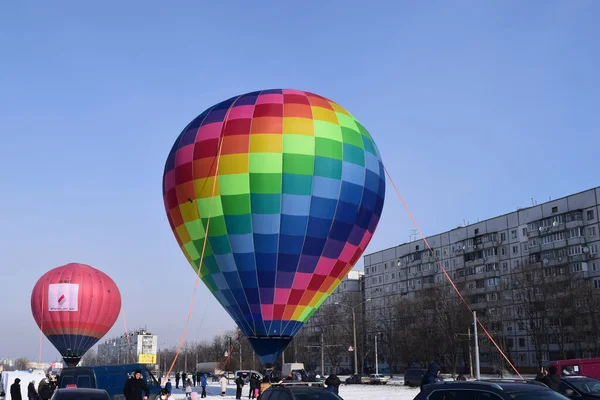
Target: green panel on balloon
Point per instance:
(328, 148)
(298, 144)
(265, 183)
(324, 129)
(265, 163)
(219, 244)
(352, 137)
(206, 207)
(234, 184)
(237, 204)
(298, 164)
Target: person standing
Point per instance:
(432, 375)
(183, 378)
(136, 388)
(333, 382)
(203, 385)
(188, 389)
(254, 383)
(169, 387)
(177, 378)
(15, 390)
(223, 383)
(31, 392)
(239, 385)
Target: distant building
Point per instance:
(553, 241)
(137, 346)
(349, 292)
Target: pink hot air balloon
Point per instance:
(75, 305)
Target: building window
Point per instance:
(515, 249)
(592, 231)
(590, 214)
(477, 231)
(503, 236)
(417, 248)
(521, 342)
(554, 209)
(505, 266)
(596, 283)
(594, 249)
(513, 234)
(524, 231)
(503, 251)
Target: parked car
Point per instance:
(492, 390)
(298, 391)
(246, 373)
(357, 379)
(377, 379)
(111, 378)
(80, 394)
(413, 376)
(580, 387)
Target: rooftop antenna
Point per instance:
(413, 235)
(532, 202)
(464, 222)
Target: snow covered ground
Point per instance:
(395, 391)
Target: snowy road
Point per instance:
(347, 392)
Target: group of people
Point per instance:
(44, 391)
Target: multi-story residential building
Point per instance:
(557, 241)
(138, 346)
(350, 293)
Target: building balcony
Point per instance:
(576, 240)
(535, 249)
(574, 224)
(492, 274)
(533, 233)
(490, 259)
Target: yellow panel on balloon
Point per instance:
(189, 212)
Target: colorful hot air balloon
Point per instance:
(299, 194)
(75, 305)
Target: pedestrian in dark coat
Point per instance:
(169, 386)
(136, 388)
(552, 380)
(177, 378)
(15, 390)
(432, 375)
(334, 383)
(254, 384)
(239, 385)
(31, 392)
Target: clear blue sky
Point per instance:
(476, 106)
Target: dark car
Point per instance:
(111, 378)
(298, 391)
(356, 379)
(488, 390)
(413, 376)
(80, 394)
(580, 387)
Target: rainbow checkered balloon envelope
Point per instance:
(299, 192)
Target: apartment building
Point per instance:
(556, 238)
(137, 346)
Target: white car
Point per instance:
(377, 379)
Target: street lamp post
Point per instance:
(354, 331)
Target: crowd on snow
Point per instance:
(44, 390)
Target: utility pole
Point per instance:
(185, 368)
(240, 351)
(470, 354)
(322, 355)
(477, 375)
(376, 360)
